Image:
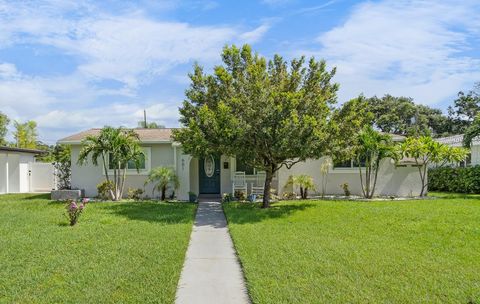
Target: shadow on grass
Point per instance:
(168, 213)
(245, 213)
(449, 195)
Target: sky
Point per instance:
(72, 65)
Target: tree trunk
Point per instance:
(266, 189)
(164, 189)
(305, 193)
(301, 192)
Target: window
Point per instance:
(349, 164)
(131, 164)
(242, 166)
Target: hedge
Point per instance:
(459, 180)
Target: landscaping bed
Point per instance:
(118, 252)
(418, 251)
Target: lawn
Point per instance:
(127, 252)
(360, 252)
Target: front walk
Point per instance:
(211, 272)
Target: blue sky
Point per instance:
(73, 65)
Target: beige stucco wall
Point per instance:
(89, 176)
(392, 180)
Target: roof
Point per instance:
(145, 135)
(456, 140)
(22, 150)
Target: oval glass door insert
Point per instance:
(209, 166)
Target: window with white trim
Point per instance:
(144, 162)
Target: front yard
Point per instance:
(360, 252)
(124, 252)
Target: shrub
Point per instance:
(103, 190)
(289, 195)
(227, 198)
(134, 193)
(345, 188)
(240, 195)
(74, 211)
(303, 182)
(460, 180)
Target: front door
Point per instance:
(209, 175)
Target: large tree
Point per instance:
(25, 134)
(400, 115)
(4, 121)
(115, 147)
(465, 108)
(272, 113)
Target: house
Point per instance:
(217, 175)
(19, 173)
(473, 158)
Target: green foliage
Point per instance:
(4, 121)
(134, 193)
(371, 147)
(116, 146)
(303, 182)
(240, 195)
(227, 198)
(104, 189)
(346, 189)
(400, 115)
(61, 157)
(162, 178)
(425, 151)
(289, 195)
(25, 134)
(272, 113)
(466, 107)
(456, 179)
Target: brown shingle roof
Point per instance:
(146, 135)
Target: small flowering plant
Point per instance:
(74, 210)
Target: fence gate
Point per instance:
(42, 177)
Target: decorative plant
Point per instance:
(192, 197)
(303, 182)
(240, 195)
(62, 163)
(104, 189)
(74, 211)
(162, 178)
(289, 195)
(134, 193)
(115, 147)
(227, 198)
(345, 188)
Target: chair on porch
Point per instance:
(259, 185)
(239, 182)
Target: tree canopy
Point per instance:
(25, 134)
(270, 112)
(4, 121)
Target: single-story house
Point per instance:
(217, 175)
(18, 171)
(473, 157)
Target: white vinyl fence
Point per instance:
(42, 177)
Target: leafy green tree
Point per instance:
(371, 147)
(303, 182)
(466, 107)
(471, 132)
(4, 122)
(25, 134)
(162, 178)
(272, 113)
(115, 147)
(425, 151)
(345, 124)
(400, 115)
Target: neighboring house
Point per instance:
(473, 158)
(19, 173)
(217, 175)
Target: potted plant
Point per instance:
(192, 197)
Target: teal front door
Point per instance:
(209, 175)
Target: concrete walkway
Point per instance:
(211, 272)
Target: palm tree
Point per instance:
(162, 178)
(115, 147)
(304, 182)
(372, 147)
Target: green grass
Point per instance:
(423, 251)
(123, 252)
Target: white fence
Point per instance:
(41, 177)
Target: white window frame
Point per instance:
(148, 164)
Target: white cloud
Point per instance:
(256, 34)
(409, 47)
